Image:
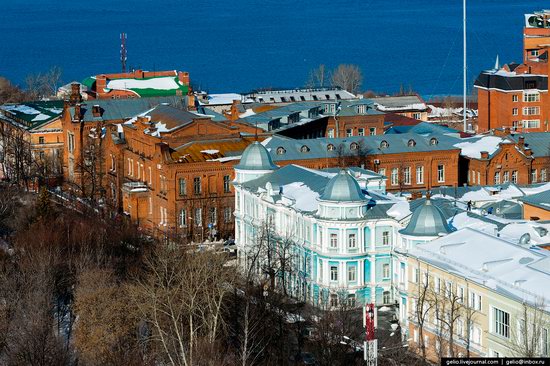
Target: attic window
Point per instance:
(354, 146)
(304, 149)
(302, 98)
(384, 144)
(331, 147)
(433, 141)
(283, 99)
(281, 150)
(411, 143)
(362, 109)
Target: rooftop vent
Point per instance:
(525, 239)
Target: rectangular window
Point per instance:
(515, 98)
(501, 323)
(382, 171)
(515, 177)
(460, 293)
(419, 175)
(530, 97)
(351, 300)
(437, 285)
(506, 177)
(331, 133)
(448, 289)
(197, 189)
(416, 277)
(385, 238)
(334, 273)
(352, 273)
(334, 240)
(183, 218)
(226, 183)
(70, 143)
(534, 53)
(394, 176)
(514, 111)
(531, 111)
(41, 140)
(417, 115)
(543, 175)
(531, 123)
(534, 176)
(182, 187)
(386, 270)
(150, 177)
(361, 132)
(372, 131)
(227, 214)
(497, 178)
(352, 242)
(407, 175)
(441, 173)
(349, 132)
(361, 109)
(478, 178)
(544, 342)
(198, 216)
(212, 216)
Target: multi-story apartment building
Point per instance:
(516, 95)
(333, 225)
(411, 106)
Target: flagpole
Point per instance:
(465, 64)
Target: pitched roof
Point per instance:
(400, 103)
(32, 115)
(538, 142)
(540, 200)
(211, 150)
(119, 109)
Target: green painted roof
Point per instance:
(156, 88)
(33, 114)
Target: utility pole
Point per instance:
(123, 57)
(465, 63)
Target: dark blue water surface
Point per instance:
(239, 45)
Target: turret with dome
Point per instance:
(255, 162)
(343, 198)
(427, 223)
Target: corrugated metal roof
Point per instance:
(540, 200)
(538, 142)
(120, 109)
(198, 151)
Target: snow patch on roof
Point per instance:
(21, 108)
(304, 198)
(210, 152)
(160, 83)
(473, 147)
(41, 117)
(400, 210)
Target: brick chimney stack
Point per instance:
(75, 96)
(521, 142)
(485, 155)
(100, 85)
(77, 112)
(96, 111)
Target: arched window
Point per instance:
(384, 144)
(433, 141)
(304, 149)
(331, 147)
(411, 143)
(354, 146)
(281, 150)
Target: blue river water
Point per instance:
(240, 45)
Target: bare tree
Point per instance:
(317, 77)
(347, 77)
(421, 308)
(526, 336)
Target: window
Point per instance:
(497, 178)
(281, 150)
(534, 53)
(441, 173)
(320, 270)
(433, 141)
(386, 297)
(41, 155)
(372, 131)
(183, 218)
(531, 111)
(407, 175)
(150, 176)
(385, 270)
(385, 238)
(304, 149)
(352, 242)
(544, 342)
(515, 177)
(417, 115)
(227, 214)
(198, 216)
(197, 189)
(182, 187)
(515, 98)
(476, 335)
(501, 323)
(478, 178)
(530, 97)
(362, 109)
(411, 143)
(515, 125)
(543, 175)
(352, 273)
(437, 284)
(460, 293)
(514, 111)
(331, 147)
(361, 132)
(416, 275)
(334, 300)
(334, 240)
(226, 181)
(212, 216)
(475, 301)
(70, 143)
(384, 144)
(334, 273)
(419, 175)
(354, 146)
(329, 108)
(394, 176)
(506, 177)
(460, 327)
(351, 300)
(349, 132)
(113, 163)
(331, 133)
(534, 176)
(41, 140)
(531, 123)
(382, 171)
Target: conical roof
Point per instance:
(256, 157)
(343, 188)
(427, 220)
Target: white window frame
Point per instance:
(531, 96)
(385, 270)
(394, 176)
(500, 322)
(420, 174)
(440, 173)
(407, 175)
(333, 240)
(352, 273)
(352, 241)
(334, 273)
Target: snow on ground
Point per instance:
(161, 83)
(473, 147)
(400, 210)
(305, 199)
(210, 152)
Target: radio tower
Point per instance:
(123, 51)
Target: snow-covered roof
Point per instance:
(515, 271)
(473, 146)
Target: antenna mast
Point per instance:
(465, 64)
(123, 51)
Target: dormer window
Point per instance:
(384, 144)
(331, 147)
(281, 150)
(362, 109)
(411, 143)
(304, 149)
(354, 146)
(433, 141)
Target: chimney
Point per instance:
(507, 131)
(142, 123)
(528, 152)
(521, 141)
(138, 74)
(183, 77)
(191, 102)
(75, 96)
(485, 155)
(96, 111)
(100, 85)
(77, 112)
